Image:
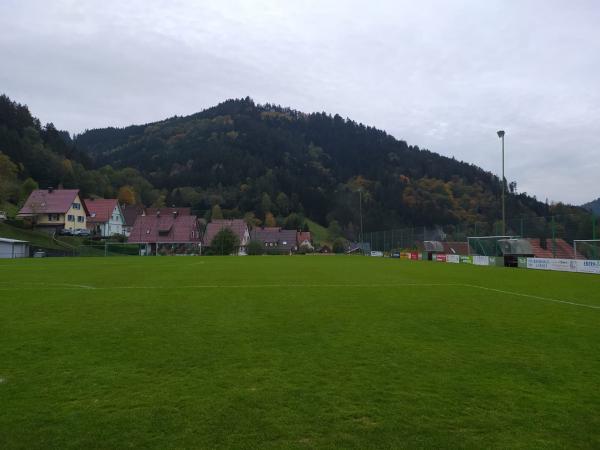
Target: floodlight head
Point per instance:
(501, 133)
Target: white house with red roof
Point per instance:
(105, 217)
(54, 209)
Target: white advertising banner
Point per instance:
(588, 266)
(561, 265)
(481, 260)
(455, 259)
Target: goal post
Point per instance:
(586, 248)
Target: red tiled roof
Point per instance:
(303, 236)
(130, 213)
(45, 201)
(238, 226)
(152, 229)
(282, 239)
(100, 209)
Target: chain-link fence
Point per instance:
(110, 249)
(570, 235)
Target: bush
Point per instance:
(118, 238)
(225, 242)
(255, 248)
(339, 245)
(304, 249)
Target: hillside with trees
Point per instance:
(593, 206)
(271, 165)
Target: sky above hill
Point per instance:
(444, 75)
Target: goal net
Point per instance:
(586, 249)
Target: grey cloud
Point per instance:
(441, 75)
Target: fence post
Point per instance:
(105, 248)
(522, 234)
(594, 247)
(553, 238)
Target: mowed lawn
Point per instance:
(295, 352)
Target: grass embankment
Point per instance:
(319, 233)
(295, 352)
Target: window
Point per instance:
(79, 218)
(284, 242)
(76, 205)
(71, 218)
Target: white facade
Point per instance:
(12, 248)
(114, 225)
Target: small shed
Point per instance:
(514, 248)
(13, 248)
(432, 248)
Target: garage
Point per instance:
(13, 248)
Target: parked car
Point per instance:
(65, 232)
(82, 232)
(3, 215)
(39, 254)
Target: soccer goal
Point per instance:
(486, 245)
(586, 248)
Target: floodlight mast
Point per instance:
(361, 219)
(501, 136)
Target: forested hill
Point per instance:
(262, 158)
(593, 206)
(266, 163)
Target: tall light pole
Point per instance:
(361, 220)
(501, 136)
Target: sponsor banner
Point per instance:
(481, 260)
(522, 262)
(376, 253)
(404, 255)
(585, 266)
(557, 264)
(440, 258)
(414, 256)
(466, 259)
(455, 259)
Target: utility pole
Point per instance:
(361, 219)
(501, 136)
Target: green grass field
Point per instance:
(295, 352)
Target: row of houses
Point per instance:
(174, 229)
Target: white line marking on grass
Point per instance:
(537, 297)
(38, 285)
(65, 286)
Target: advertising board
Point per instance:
(557, 264)
(481, 260)
(454, 259)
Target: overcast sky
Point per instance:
(444, 75)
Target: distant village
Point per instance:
(168, 230)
